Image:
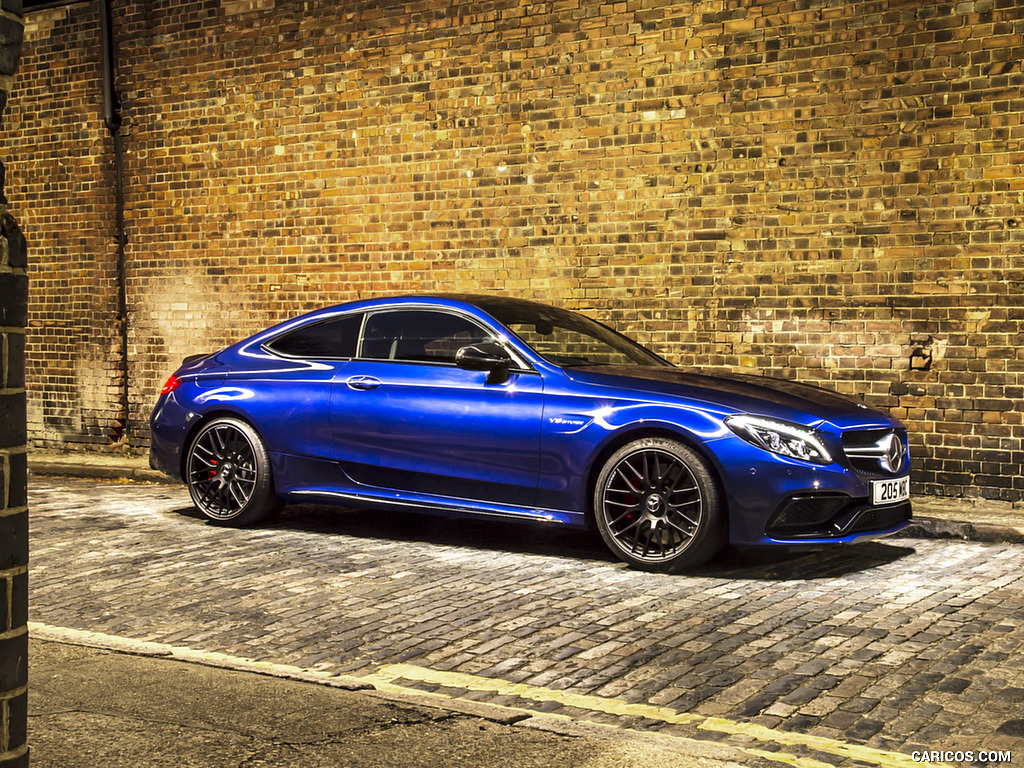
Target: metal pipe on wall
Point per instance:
(113, 121)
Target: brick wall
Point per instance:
(13, 438)
(60, 169)
(825, 191)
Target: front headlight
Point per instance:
(780, 437)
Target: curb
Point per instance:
(98, 472)
(942, 528)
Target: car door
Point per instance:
(404, 416)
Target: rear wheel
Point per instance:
(227, 471)
(657, 506)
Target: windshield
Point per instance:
(568, 339)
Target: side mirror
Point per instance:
(485, 356)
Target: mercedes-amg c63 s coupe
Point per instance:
(488, 405)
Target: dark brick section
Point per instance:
(14, 752)
(12, 414)
(14, 530)
(19, 600)
(17, 489)
(13, 300)
(815, 190)
(15, 374)
(14, 652)
(11, 34)
(17, 730)
(17, 247)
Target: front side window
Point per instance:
(419, 335)
(569, 339)
(335, 338)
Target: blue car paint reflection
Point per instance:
(494, 406)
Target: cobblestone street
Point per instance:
(836, 656)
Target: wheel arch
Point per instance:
(202, 421)
(618, 440)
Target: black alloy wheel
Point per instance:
(228, 474)
(657, 506)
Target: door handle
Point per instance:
(363, 382)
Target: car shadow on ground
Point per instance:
(801, 564)
(767, 563)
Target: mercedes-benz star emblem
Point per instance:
(892, 453)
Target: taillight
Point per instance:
(170, 385)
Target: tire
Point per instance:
(227, 470)
(657, 506)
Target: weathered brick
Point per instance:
(13, 299)
(19, 600)
(16, 722)
(17, 476)
(12, 416)
(14, 531)
(15, 674)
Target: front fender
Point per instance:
(574, 438)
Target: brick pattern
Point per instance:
(13, 454)
(59, 176)
(821, 191)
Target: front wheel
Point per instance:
(657, 506)
(227, 471)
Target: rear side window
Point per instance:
(331, 338)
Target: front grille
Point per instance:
(881, 518)
(876, 452)
(807, 515)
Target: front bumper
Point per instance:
(830, 517)
(775, 500)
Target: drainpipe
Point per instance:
(112, 120)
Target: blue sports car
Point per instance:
(488, 405)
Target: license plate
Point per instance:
(890, 491)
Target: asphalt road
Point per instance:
(91, 707)
(869, 654)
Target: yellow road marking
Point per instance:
(691, 744)
(384, 677)
(389, 673)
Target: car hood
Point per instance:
(790, 400)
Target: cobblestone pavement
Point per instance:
(832, 656)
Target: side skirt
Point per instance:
(437, 505)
